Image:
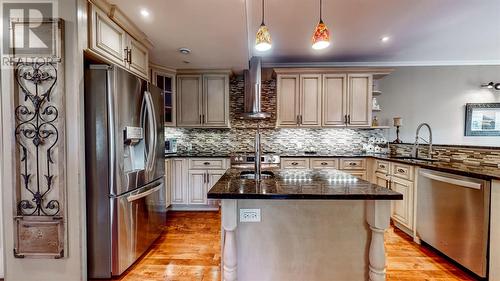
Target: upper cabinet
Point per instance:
(165, 80)
(325, 97)
(288, 100)
(334, 100)
(203, 100)
(359, 100)
(111, 42)
(299, 100)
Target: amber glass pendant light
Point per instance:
(321, 35)
(263, 38)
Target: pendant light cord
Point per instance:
(262, 12)
(320, 10)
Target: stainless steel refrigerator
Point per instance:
(124, 168)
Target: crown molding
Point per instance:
(382, 63)
(162, 68)
(117, 15)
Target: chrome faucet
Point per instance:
(257, 154)
(418, 137)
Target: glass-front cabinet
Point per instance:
(166, 82)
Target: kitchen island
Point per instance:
(310, 225)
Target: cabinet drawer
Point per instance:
(382, 166)
(294, 163)
(353, 164)
(208, 163)
(402, 171)
(327, 163)
(358, 174)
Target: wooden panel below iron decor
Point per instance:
(189, 249)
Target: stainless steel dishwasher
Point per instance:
(453, 217)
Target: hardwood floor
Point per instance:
(189, 250)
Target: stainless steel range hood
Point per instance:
(252, 95)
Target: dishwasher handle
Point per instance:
(452, 180)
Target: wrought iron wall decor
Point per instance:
(40, 152)
(35, 126)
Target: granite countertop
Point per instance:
(482, 172)
(300, 184)
(198, 155)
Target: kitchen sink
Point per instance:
(251, 175)
(411, 158)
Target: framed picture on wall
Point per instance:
(482, 119)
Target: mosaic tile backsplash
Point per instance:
(240, 137)
(474, 156)
(282, 141)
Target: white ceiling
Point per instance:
(422, 32)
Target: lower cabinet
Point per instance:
(353, 166)
(400, 178)
(179, 181)
(402, 210)
(200, 182)
(358, 174)
(168, 182)
(190, 183)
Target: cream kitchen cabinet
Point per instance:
(168, 182)
(138, 57)
(111, 42)
(200, 182)
(402, 210)
(203, 100)
(400, 178)
(334, 100)
(353, 166)
(299, 100)
(347, 100)
(192, 178)
(324, 97)
(179, 181)
(359, 100)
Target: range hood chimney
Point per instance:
(252, 95)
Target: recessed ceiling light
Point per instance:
(184, 51)
(385, 39)
(144, 13)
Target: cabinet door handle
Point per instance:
(401, 171)
(126, 55)
(349, 119)
(301, 119)
(345, 119)
(298, 119)
(324, 163)
(206, 163)
(201, 122)
(353, 164)
(130, 55)
(295, 163)
(203, 118)
(381, 166)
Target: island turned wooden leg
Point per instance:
(229, 254)
(378, 217)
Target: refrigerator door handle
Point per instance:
(157, 186)
(147, 115)
(111, 130)
(155, 126)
